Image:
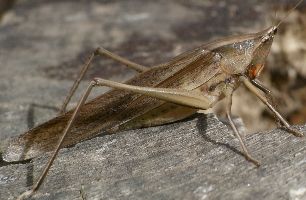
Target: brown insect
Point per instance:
(165, 93)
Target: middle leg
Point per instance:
(242, 144)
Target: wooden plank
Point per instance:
(194, 159)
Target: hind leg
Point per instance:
(99, 52)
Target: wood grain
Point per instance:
(194, 159)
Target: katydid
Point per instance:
(195, 80)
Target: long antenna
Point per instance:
(288, 13)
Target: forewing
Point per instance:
(110, 111)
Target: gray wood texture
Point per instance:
(43, 45)
(194, 159)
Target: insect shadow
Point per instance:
(202, 125)
(31, 124)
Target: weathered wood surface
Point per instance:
(42, 46)
(193, 159)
